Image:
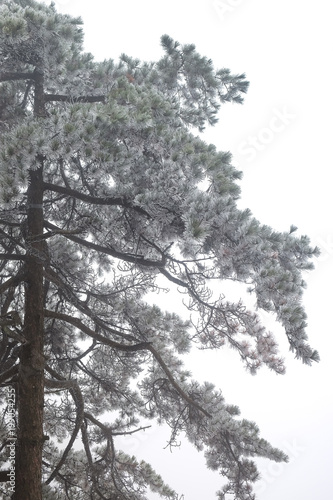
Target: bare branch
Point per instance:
(45, 236)
(8, 374)
(173, 279)
(108, 431)
(13, 281)
(12, 256)
(75, 391)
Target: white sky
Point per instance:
(281, 140)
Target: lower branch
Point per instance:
(127, 347)
(73, 99)
(12, 256)
(11, 76)
(173, 382)
(97, 336)
(5, 377)
(13, 281)
(75, 391)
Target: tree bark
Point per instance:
(31, 369)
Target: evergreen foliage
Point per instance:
(131, 198)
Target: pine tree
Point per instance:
(106, 195)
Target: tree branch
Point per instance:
(8, 374)
(12, 256)
(95, 200)
(81, 306)
(72, 99)
(4, 476)
(13, 281)
(124, 347)
(108, 431)
(173, 279)
(127, 257)
(75, 391)
(11, 76)
(173, 382)
(97, 336)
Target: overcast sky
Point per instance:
(281, 138)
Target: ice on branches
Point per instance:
(107, 195)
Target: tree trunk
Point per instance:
(31, 370)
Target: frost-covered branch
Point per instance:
(95, 200)
(96, 336)
(173, 382)
(127, 257)
(107, 194)
(73, 99)
(109, 431)
(12, 76)
(74, 388)
(128, 348)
